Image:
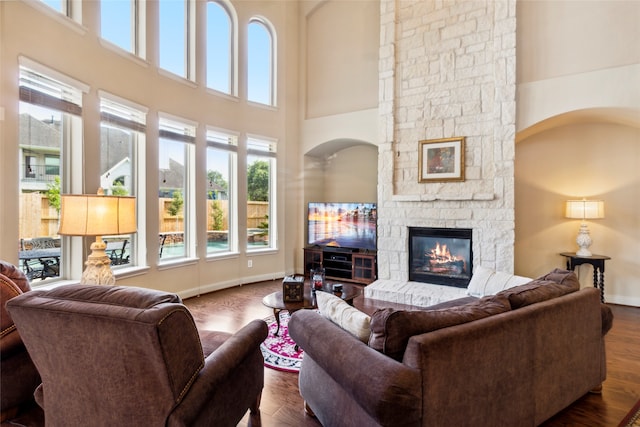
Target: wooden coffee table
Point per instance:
(275, 301)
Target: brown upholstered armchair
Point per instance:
(19, 377)
(115, 355)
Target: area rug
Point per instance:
(633, 417)
(280, 351)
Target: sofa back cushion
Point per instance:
(391, 329)
(552, 285)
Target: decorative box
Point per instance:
(293, 289)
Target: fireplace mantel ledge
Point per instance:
(442, 197)
(412, 293)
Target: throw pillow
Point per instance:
(552, 285)
(344, 315)
(486, 281)
(391, 329)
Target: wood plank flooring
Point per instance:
(282, 405)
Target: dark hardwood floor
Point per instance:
(282, 405)
(230, 309)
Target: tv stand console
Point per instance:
(342, 264)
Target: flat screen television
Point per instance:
(342, 225)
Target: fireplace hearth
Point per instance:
(440, 256)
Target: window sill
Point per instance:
(178, 262)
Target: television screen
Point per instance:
(342, 225)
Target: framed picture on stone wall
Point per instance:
(441, 160)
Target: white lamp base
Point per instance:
(98, 266)
(583, 240)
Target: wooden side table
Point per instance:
(597, 261)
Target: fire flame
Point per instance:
(441, 254)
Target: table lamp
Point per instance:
(584, 209)
(97, 215)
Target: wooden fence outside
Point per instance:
(39, 219)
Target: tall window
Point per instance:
(261, 63)
(173, 36)
(221, 195)
(220, 48)
(261, 188)
(177, 140)
(122, 132)
(121, 24)
(50, 134)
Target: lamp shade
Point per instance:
(585, 209)
(97, 215)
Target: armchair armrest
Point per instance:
(221, 365)
(392, 396)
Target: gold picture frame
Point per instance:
(441, 160)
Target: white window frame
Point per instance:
(183, 130)
(55, 85)
(215, 137)
(270, 29)
(133, 118)
(228, 8)
(266, 148)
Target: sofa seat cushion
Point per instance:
(486, 281)
(391, 329)
(344, 315)
(552, 285)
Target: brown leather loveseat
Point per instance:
(512, 359)
(19, 377)
(116, 356)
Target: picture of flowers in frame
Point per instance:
(441, 160)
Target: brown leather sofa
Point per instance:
(19, 377)
(514, 359)
(116, 356)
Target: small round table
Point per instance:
(275, 301)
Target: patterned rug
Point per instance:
(280, 351)
(633, 417)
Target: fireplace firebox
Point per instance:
(440, 256)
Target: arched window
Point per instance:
(261, 69)
(173, 37)
(221, 47)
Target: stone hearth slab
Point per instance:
(412, 293)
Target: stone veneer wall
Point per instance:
(447, 69)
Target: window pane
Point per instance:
(219, 167)
(118, 145)
(260, 190)
(173, 36)
(260, 79)
(41, 135)
(56, 4)
(218, 48)
(116, 23)
(173, 196)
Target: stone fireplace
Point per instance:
(447, 69)
(440, 256)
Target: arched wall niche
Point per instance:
(622, 116)
(342, 170)
(591, 153)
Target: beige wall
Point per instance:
(31, 30)
(562, 37)
(593, 160)
(578, 122)
(342, 61)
